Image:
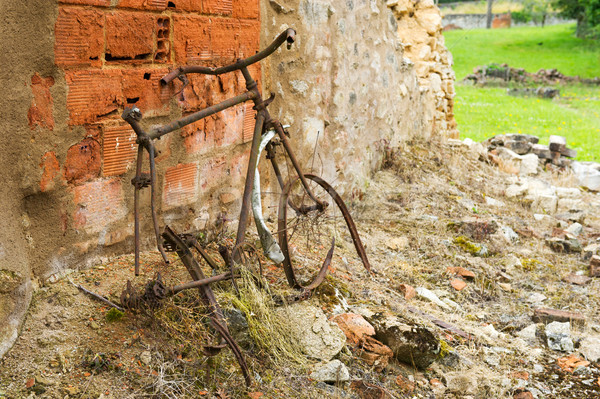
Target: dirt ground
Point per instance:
(412, 219)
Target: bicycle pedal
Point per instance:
(169, 246)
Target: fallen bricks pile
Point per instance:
(555, 153)
(502, 73)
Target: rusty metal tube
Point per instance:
(160, 131)
(136, 208)
(200, 283)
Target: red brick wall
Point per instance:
(113, 54)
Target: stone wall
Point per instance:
(478, 21)
(346, 87)
(420, 31)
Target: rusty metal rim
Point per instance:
(283, 234)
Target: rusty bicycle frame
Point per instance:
(182, 244)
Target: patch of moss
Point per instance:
(113, 314)
(444, 349)
(466, 245)
(530, 264)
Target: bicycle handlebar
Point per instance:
(287, 35)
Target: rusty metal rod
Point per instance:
(136, 208)
(243, 220)
(287, 35)
(200, 283)
(160, 131)
(152, 202)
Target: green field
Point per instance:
(484, 112)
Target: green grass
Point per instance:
(521, 48)
(484, 112)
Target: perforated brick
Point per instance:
(79, 37)
(144, 4)
(247, 9)
(99, 204)
(118, 149)
(93, 94)
(180, 186)
(219, 7)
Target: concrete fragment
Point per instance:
(334, 371)
(528, 334)
(575, 229)
(429, 295)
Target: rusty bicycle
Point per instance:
(311, 214)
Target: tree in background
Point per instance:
(585, 12)
(488, 23)
(538, 10)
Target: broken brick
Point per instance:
(83, 161)
(576, 279)
(50, 169)
(129, 36)
(40, 111)
(546, 315)
(461, 271)
(180, 185)
(245, 9)
(458, 284)
(354, 326)
(100, 88)
(408, 291)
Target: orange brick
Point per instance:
(180, 185)
(99, 204)
(458, 284)
(93, 94)
(219, 7)
(186, 5)
(79, 37)
(50, 169)
(142, 87)
(144, 4)
(130, 36)
(104, 3)
(83, 161)
(247, 9)
(118, 149)
(40, 111)
(191, 39)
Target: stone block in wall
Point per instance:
(429, 19)
(79, 37)
(180, 185)
(129, 36)
(83, 161)
(40, 111)
(98, 205)
(118, 149)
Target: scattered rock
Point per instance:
(528, 334)
(405, 384)
(40, 379)
(94, 325)
(564, 245)
(315, 335)
(374, 353)
(577, 279)
(589, 347)
(366, 390)
(536, 297)
(334, 371)
(410, 344)
(558, 336)
(588, 174)
(522, 393)
(575, 229)
(590, 250)
(546, 315)
(146, 357)
(595, 266)
(429, 295)
(463, 383)
(397, 243)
